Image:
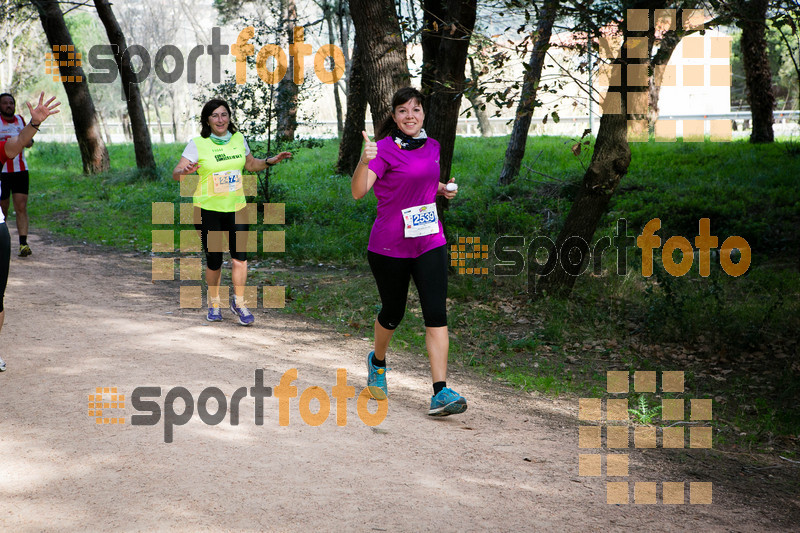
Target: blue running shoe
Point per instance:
(2, 365)
(447, 402)
(243, 314)
(214, 314)
(376, 379)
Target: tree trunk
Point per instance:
(130, 85)
(752, 20)
(383, 54)
(479, 108)
(795, 63)
(344, 36)
(666, 47)
(146, 103)
(447, 29)
(337, 101)
(610, 161)
(350, 145)
(172, 108)
(104, 126)
(478, 103)
(126, 126)
(160, 123)
(286, 103)
(87, 129)
(527, 99)
(8, 65)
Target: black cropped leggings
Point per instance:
(5, 259)
(392, 275)
(220, 221)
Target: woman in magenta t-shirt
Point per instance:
(9, 149)
(407, 241)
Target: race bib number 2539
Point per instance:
(420, 220)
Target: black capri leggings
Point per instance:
(430, 276)
(5, 259)
(220, 221)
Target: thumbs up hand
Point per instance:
(370, 149)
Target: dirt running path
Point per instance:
(79, 319)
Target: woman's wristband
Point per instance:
(35, 126)
(266, 162)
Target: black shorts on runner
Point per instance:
(392, 275)
(13, 182)
(220, 222)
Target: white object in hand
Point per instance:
(452, 187)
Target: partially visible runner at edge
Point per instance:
(407, 241)
(9, 149)
(14, 179)
(219, 155)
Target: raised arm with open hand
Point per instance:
(15, 144)
(43, 110)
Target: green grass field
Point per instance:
(735, 337)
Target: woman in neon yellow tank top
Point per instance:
(219, 156)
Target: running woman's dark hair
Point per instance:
(210, 107)
(400, 97)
